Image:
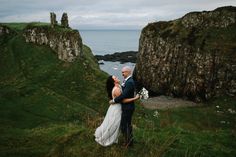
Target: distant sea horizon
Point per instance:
(109, 41)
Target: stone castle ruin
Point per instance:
(53, 20)
(64, 20)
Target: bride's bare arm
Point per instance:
(127, 100)
(117, 92)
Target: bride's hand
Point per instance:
(111, 102)
(137, 96)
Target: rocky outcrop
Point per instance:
(123, 57)
(4, 30)
(67, 43)
(6, 33)
(193, 57)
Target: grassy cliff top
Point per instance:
(203, 30)
(21, 26)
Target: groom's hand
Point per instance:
(111, 102)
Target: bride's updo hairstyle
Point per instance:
(109, 86)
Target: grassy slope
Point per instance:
(51, 108)
(43, 99)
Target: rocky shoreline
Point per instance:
(123, 57)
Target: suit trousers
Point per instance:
(126, 127)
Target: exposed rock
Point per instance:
(220, 18)
(66, 43)
(123, 57)
(64, 20)
(53, 19)
(193, 57)
(4, 30)
(5, 33)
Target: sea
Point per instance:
(104, 42)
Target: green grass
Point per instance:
(40, 93)
(19, 27)
(46, 26)
(179, 132)
(16, 26)
(51, 108)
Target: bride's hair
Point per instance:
(109, 86)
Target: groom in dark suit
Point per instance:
(128, 89)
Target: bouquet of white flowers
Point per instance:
(143, 93)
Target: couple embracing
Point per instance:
(120, 111)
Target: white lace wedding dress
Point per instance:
(107, 133)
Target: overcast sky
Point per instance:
(104, 14)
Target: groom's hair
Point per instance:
(109, 86)
(127, 68)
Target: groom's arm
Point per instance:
(125, 93)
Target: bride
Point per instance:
(107, 133)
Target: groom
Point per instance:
(128, 89)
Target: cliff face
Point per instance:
(5, 31)
(67, 43)
(194, 56)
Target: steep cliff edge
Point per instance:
(194, 56)
(67, 43)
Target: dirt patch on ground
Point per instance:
(165, 102)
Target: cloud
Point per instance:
(92, 14)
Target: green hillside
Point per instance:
(41, 94)
(50, 108)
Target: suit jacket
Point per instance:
(127, 92)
